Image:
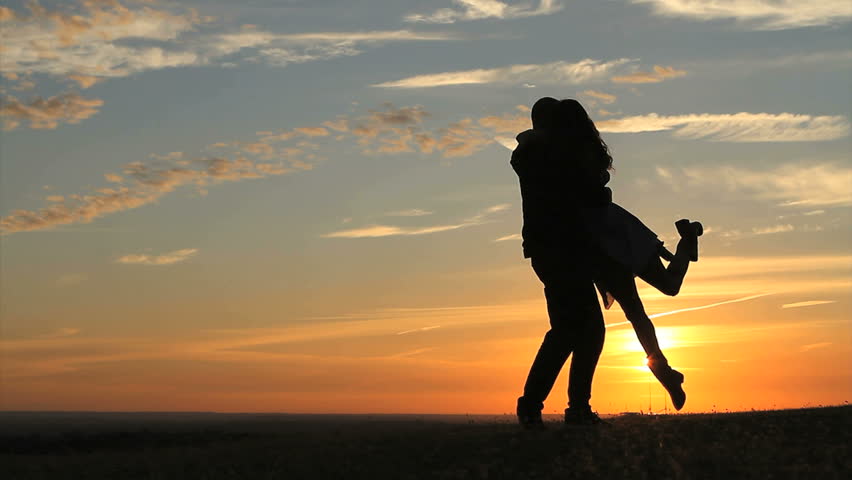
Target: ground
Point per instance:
(805, 443)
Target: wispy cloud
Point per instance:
(792, 184)
(758, 14)
(88, 41)
(514, 236)
(84, 81)
(399, 129)
(658, 74)
(482, 9)
(814, 346)
(736, 234)
(601, 96)
(467, 136)
(170, 258)
(376, 231)
(414, 212)
(19, 82)
(422, 329)
(47, 113)
(86, 38)
(278, 49)
(809, 303)
(773, 229)
(62, 333)
(737, 127)
(392, 129)
(144, 184)
(554, 73)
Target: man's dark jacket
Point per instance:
(557, 181)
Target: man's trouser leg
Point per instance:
(576, 325)
(587, 349)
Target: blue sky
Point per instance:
(325, 157)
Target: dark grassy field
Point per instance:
(808, 443)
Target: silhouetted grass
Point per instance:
(807, 443)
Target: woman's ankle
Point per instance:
(656, 359)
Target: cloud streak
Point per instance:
(89, 41)
(814, 346)
(47, 113)
(514, 236)
(394, 130)
(377, 231)
(62, 333)
(658, 74)
(416, 330)
(278, 49)
(467, 10)
(737, 127)
(809, 303)
(758, 14)
(692, 309)
(601, 96)
(793, 184)
(773, 229)
(141, 183)
(468, 136)
(554, 73)
(414, 212)
(170, 258)
(145, 184)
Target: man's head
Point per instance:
(544, 113)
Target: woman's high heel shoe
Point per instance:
(690, 231)
(670, 378)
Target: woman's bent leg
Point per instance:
(667, 280)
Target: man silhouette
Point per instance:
(553, 192)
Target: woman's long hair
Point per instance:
(577, 124)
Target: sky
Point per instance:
(307, 205)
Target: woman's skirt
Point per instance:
(623, 238)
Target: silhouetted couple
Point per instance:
(577, 240)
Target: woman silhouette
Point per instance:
(629, 247)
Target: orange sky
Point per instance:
(768, 337)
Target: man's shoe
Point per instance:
(529, 414)
(670, 378)
(690, 231)
(582, 417)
